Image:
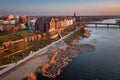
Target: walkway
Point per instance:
(23, 70)
(26, 67)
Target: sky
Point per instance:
(60, 7)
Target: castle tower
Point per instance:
(74, 14)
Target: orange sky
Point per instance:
(61, 7)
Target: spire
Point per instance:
(74, 14)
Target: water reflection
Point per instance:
(105, 62)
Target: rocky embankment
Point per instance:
(86, 32)
(61, 58)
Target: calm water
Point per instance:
(102, 64)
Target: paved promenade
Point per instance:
(38, 58)
(31, 65)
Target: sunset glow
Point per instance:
(60, 7)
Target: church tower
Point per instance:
(74, 14)
(74, 19)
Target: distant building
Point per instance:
(45, 25)
(8, 27)
(74, 14)
(17, 17)
(0, 16)
(64, 22)
(22, 26)
(12, 22)
(1, 28)
(1, 21)
(10, 16)
(51, 26)
(6, 22)
(58, 24)
(23, 19)
(32, 21)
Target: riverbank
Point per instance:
(101, 64)
(61, 58)
(82, 33)
(27, 67)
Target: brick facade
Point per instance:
(49, 27)
(26, 39)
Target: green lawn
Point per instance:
(21, 45)
(73, 37)
(34, 46)
(14, 36)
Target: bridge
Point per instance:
(107, 24)
(84, 20)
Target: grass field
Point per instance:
(34, 46)
(14, 36)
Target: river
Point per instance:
(102, 64)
